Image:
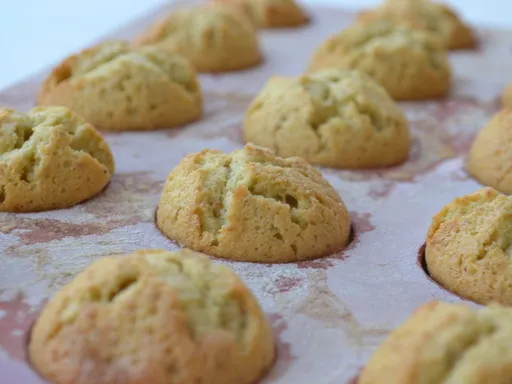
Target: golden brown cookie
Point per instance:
(153, 317)
(335, 118)
(270, 13)
(119, 88)
(409, 64)
(215, 38)
(426, 15)
(50, 158)
(252, 206)
(469, 244)
(489, 158)
(448, 344)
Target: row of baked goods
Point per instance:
(333, 118)
(248, 203)
(177, 317)
(152, 82)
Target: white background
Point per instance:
(35, 34)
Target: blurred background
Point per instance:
(34, 34)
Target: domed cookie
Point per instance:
(153, 317)
(469, 244)
(426, 15)
(489, 158)
(215, 38)
(119, 88)
(270, 13)
(446, 343)
(335, 118)
(379, 48)
(252, 206)
(50, 158)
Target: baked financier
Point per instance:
(270, 13)
(50, 158)
(426, 15)
(336, 118)
(489, 158)
(215, 38)
(409, 64)
(252, 206)
(153, 317)
(118, 88)
(469, 244)
(445, 343)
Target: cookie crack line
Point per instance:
(475, 344)
(335, 44)
(224, 197)
(96, 66)
(220, 213)
(113, 295)
(151, 58)
(331, 113)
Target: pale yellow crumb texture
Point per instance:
(120, 88)
(270, 13)
(335, 118)
(50, 158)
(468, 247)
(410, 64)
(214, 37)
(446, 343)
(153, 317)
(251, 205)
(425, 15)
(489, 158)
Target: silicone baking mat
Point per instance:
(328, 314)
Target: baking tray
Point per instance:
(328, 314)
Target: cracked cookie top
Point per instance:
(335, 118)
(117, 87)
(469, 245)
(153, 317)
(409, 64)
(270, 13)
(251, 205)
(448, 344)
(425, 15)
(214, 37)
(50, 158)
(490, 154)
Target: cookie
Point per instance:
(446, 343)
(270, 13)
(425, 15)
(251, 205)
(50, 158)
(489, 157)
(215, 38)
(153, 317)
(335, 118)
(379, 48)
(119, 88)
(469, 244)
